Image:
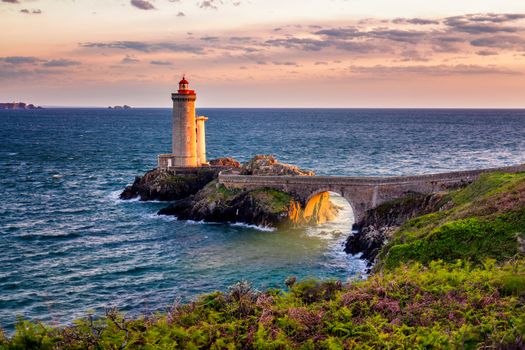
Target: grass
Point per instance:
(275, 201)
(483, 220)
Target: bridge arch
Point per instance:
(330, 191)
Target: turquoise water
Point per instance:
(68, 245)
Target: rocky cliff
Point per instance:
(380, 223)
(199, 197)
(262, 207)
(168, 185)
(215, 203)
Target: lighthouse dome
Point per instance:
(184, 87)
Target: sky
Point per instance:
(264, 53)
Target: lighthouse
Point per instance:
(188, 132)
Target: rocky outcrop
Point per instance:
(262, 207)
(167, 185)
(199, 197)
(267, 165)
(380, 223)
(215, 203)
(225, 162)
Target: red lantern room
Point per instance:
(184, 87)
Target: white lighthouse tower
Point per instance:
(188, 132)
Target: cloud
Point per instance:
(350, 33)
(61, 63)
(142, 4)
(496, 18)
(432, 70)
(20, 59)
(214, 4)
(210, 38)
(241, 39)
(161, 63)
(11, 1)
(181, 14)
(418, 21)
(31, 60)
(285, 63)
(500, 41)
(486, 53)
(412, 55)
(341, 33)
(209, 4)
(9, 73)
(129, 60)
(478, 25)
(144, 46)
(31, 12)
(298, 43)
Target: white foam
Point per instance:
(114, 196)
(202, 222)
(260, 228)
(167, 218)
(235, 224)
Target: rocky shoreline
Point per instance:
(379, 224)
(197, 195)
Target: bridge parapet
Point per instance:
(363, 193)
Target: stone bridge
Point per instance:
(363, 193)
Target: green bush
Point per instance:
(472, 239)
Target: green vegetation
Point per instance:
(441, 306)
(275, 201)
(272, 200)
(452, 279)
(215, 192)
(484, 220)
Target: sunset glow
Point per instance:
(338, 53)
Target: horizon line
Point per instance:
(170, 107)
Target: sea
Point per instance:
(69, 246)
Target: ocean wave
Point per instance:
(256, 227)
(234, 224)
(114, 196)
(167, 218)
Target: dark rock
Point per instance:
(215, 203)
(380, 223)
(168, 185)
(177, 207)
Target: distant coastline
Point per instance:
(120, 107)
(18, 105)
